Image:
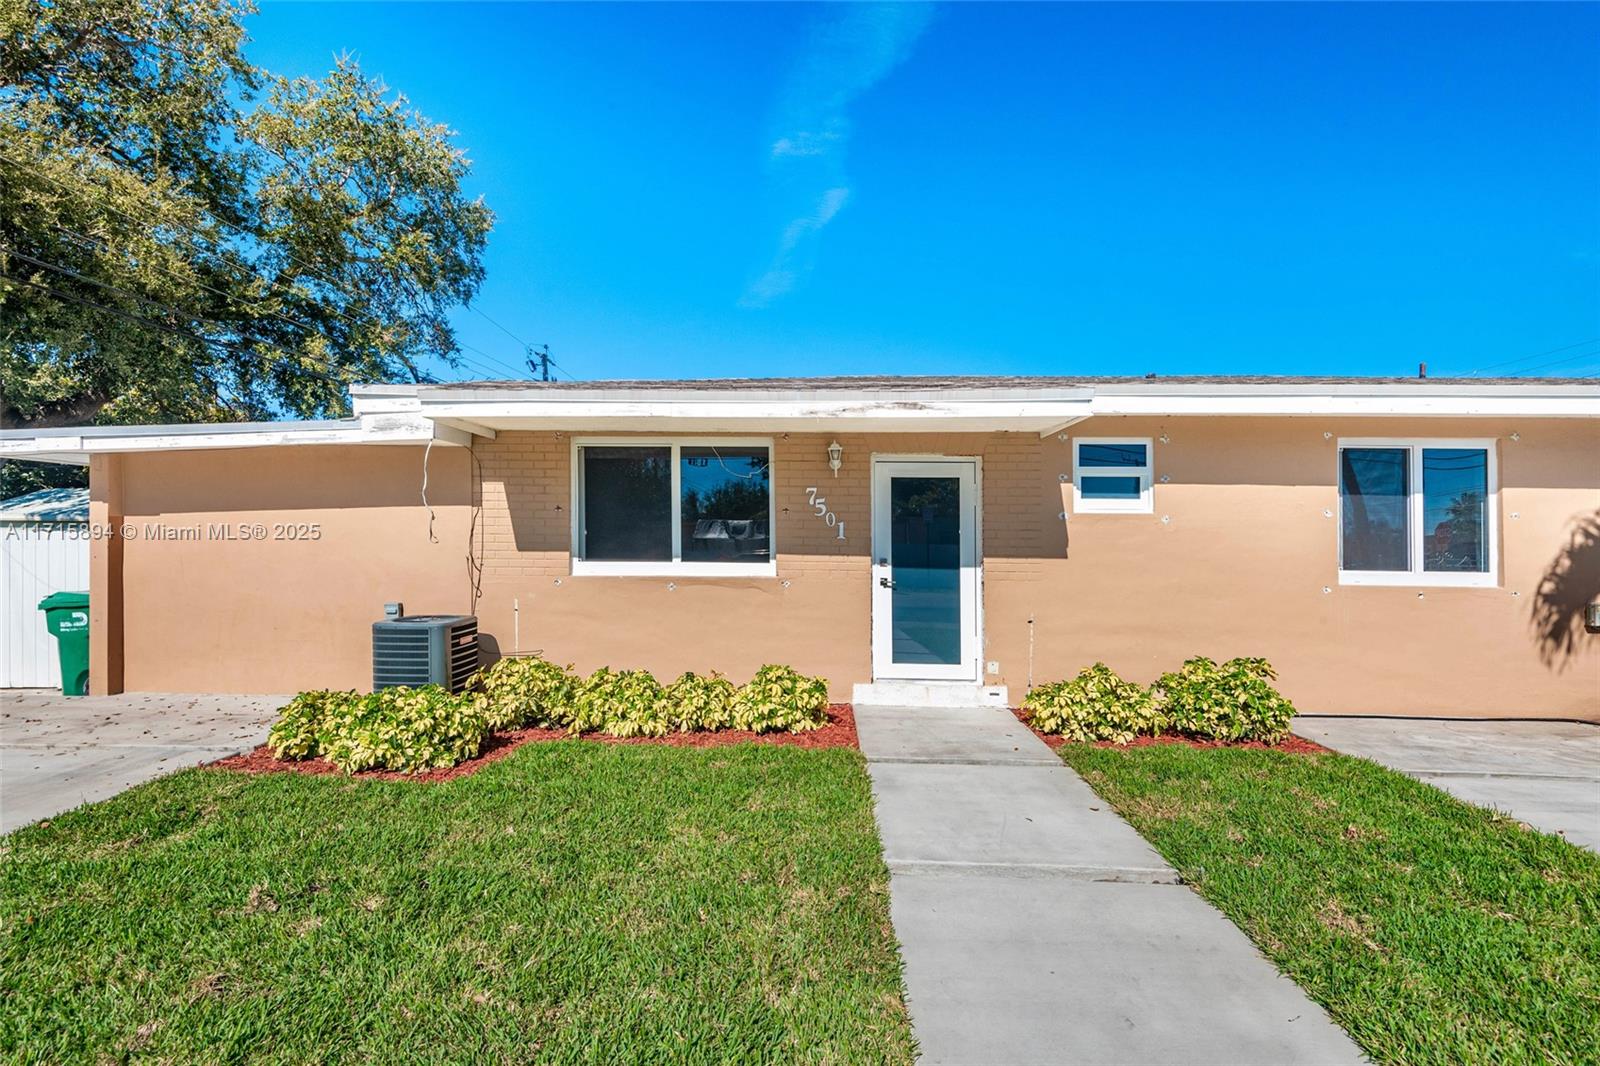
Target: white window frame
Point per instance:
(1416, 576)
(1145, 504)
(676, 566)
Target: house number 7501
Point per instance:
(819, 504)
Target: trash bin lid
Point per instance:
(64, 599)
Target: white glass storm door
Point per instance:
(925, 569)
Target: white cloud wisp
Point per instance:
(855, 49)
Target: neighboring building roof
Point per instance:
(47, 505)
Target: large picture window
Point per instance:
(672, 507)
(1417, 512)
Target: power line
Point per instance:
(181, 312)
(492, 371)
(306, 267)
(241, 231)
(154, 324)
(497, 362)
(474, 309)
(227, 254)
(1535, 355)
(1559, 362)
(230, 256)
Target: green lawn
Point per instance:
(1433, 931)
(572, 902)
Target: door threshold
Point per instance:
(929, 694)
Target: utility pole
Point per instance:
(539, 361)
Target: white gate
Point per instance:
(36, 559)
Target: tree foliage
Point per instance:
(184, 236)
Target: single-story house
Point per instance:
(1393, 546)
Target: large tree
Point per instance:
(184, 236)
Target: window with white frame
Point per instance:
(1111, 475)
(1417, 512)
(672, 507)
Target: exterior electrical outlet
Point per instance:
(425, 649)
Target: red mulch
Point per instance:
(1289, 745)
(840, 732)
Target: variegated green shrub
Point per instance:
(620, 703)
(780, 698)
(1233, 701)
(696, 703)
(410, 729)
(1095, 705)
(523, 692)
(298, 732)
(405, 729)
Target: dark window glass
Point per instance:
(925, 542)
(1100, 487)
(1455, 500)
(627, 503)
(726, 497)
(1374, 486)
(1111, 454)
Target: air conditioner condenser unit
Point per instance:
(425, 649)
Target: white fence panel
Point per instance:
(36, 559)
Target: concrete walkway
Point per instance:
(57, 753)
(1038, 927)
(1544, 773)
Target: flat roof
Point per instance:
(926, 383)
(454, 412)
(969, 402)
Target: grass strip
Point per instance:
(1434, 931)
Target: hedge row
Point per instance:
(416, 729)
(1232, 701)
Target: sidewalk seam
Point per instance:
(1140, 875)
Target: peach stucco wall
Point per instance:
(1239, 558)
(279, 615)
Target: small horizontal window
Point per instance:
(1416, 513)
(1099, 487)
(1111, 475)
(672, 508)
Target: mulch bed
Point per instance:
(840, 732)
(1290, 745)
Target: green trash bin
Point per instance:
(66, 615)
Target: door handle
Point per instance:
(886, 583)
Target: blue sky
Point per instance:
(767, 189)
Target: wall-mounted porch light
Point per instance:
(835, 457)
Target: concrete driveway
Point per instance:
(1544, 773)
(57, 753)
